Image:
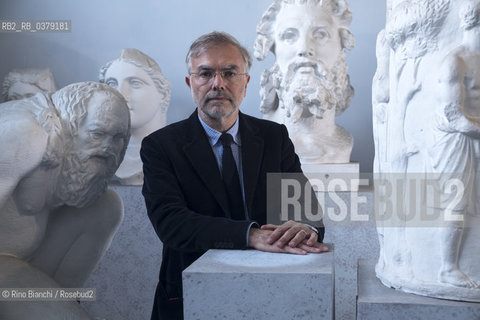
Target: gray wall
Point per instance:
(164, 29)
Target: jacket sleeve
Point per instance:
(291, 164)
(178, 226)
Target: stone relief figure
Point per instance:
(308, 85)
(58, 153)
(140, 80)
(409, 36)
(24, 83)
(429, 134)
(454, 148)
(380, 98)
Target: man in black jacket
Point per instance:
(194, 201)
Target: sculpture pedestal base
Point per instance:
(333, 176)
(250, 284)
(134, 241)
(375, 301)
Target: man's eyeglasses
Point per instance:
(206, 76)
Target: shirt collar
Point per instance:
(213, 135)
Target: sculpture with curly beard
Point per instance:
(308, 85)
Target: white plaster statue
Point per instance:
(308, 85)
(380, 99)
(455, 146)
(139, 78)
(58, 153)
(429, 131)
(24, 83)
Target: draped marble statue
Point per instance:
(140, 80)
(24, 83)
(426, 116)
(308, 85)
(58, 153)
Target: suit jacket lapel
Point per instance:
(252, 155)
(202, 159)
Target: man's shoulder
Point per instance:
(261, 123)
(23, 119)
(268, 129)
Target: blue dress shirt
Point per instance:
(217, 148)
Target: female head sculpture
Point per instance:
(140, 80)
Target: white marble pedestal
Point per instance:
(333, 176)
(250, 284)
(377, 302)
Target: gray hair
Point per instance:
(265, 41)
(71, 102)
(208, 40)
(41, 78)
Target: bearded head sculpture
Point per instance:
(309, 83)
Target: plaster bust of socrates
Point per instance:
(58, 218)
